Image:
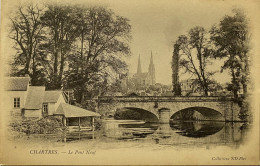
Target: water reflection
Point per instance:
(121, 129)
(197, 128)
(178, 132)
(139, 133)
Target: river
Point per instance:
(132, 133)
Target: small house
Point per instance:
(16, 94)
(75, 116)
(35, 102)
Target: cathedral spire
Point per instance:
(139, 68)
(151, 60)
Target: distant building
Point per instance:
(140, 80)
(188, 88)
(147, 78)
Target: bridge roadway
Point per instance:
(163, 107)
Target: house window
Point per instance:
(45, 109)
(17, 102)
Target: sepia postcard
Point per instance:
(130, 82)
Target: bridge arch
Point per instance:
(137, 114)
(198, 113)
(154, 104)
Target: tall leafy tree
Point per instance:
(60, 23)
(231, 38)
(27, 33)
(195, 53)
(73, 47)
(104, 38)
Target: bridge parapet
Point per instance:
(108, 99)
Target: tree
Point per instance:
(71, 47)
(98, 60)
(195, 53)
(60, 23)
(175, 71)
(231, 38)
(27, 33)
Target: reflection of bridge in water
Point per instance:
(195, 133)
(229, 133)
(164, 107)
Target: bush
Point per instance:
(127, 114)
(97, 124)
(46, 125)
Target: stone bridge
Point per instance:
(164, 107)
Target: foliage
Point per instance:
(184, 115)
(71, 47)
(46, 125)
(89, 104)
(128, 114)
(60, 22)
(231, 38)
(175, 70)
(195, 56)
(98, 61)
(131, 114)
(244, 113)
(26, 30)
(97, 124)
(228, 40)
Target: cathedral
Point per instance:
(139, 81)
(144, 79)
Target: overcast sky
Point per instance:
(156, 26)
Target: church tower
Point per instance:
(151, 70)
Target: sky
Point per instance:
(156, 26)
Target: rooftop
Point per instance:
(70, 111)
(35, 97)
(17, 83)
(52, 96)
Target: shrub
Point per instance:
(46, 125)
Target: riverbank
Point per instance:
(123, 135)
